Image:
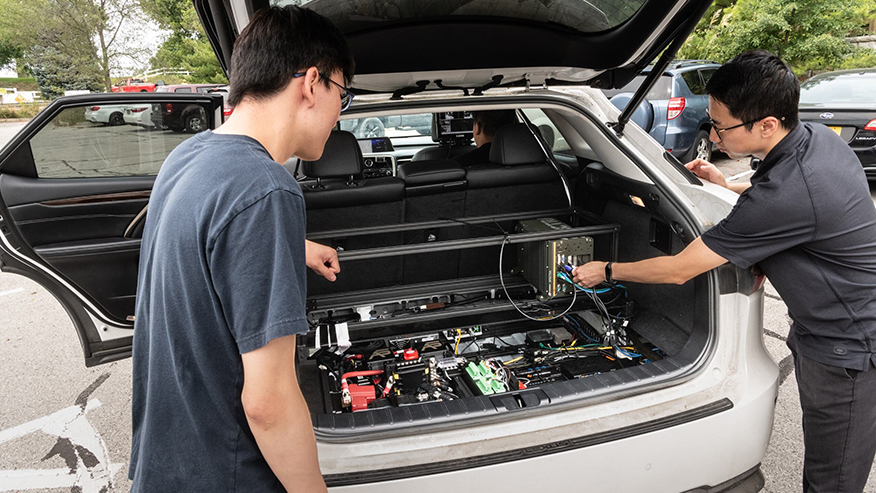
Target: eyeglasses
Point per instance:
(346, 94)
(719, 131)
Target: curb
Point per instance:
(15, 120)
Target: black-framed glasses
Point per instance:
(346, 94)
(719, 131)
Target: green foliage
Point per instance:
(187, 46)
(20, 83)
(807, 34)
(25, 110)
(56, 71)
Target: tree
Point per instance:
(806, 34)
(114, 28)
(95, 36)
(187, 46)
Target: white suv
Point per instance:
(452, 353)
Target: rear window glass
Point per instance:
(694, 83)
(851, 89)
(403, 127)
(582, 15)
(662, 88)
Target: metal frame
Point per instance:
(595, 227)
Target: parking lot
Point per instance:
(64, 427)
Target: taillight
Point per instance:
(138, 110)
(95, 108)
(871, 126)
(676, 106)
(168, 108)
(227, 110)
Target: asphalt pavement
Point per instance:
(64, 427)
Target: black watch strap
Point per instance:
(608, 277)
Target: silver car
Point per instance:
(452, 354)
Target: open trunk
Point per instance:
(419, 329)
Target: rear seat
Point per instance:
(337, 197)
(518, 178)
(434, 190)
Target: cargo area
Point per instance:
(455, 299)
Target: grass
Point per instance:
(25, 110)
(20, 83)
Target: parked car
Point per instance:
(845, 101)
(139, 114)
(227, 109)
(136, 85)
(108, 114)
(178, 117)
(675, 112)
(450, 293)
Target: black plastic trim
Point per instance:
(691, 177)
(397, 473)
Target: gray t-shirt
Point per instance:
(809, 222)
(222, 273)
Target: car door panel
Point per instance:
(73, 197)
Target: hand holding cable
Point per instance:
(589, 274)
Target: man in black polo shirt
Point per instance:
(808, 221)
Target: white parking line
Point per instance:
(12, 291)
(89, 468)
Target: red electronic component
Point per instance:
(361, 395)
(411, 354)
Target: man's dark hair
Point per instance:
(757, 84)
(490, 121)
(282, 41)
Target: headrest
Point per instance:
(342, 157)
(515, 144)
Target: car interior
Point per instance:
(455, 300)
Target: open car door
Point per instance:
(74, 193)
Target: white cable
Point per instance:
(502, 280)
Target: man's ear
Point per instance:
(308, 88)
(476, 129)
(769, 126)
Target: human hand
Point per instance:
(589, 274)
(707, 171)
(322, 259)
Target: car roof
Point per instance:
(860, 72)
(681, 66)
(603, 43)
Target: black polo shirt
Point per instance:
(809, 222)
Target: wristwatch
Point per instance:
(608, 278)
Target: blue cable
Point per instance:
(564, 277)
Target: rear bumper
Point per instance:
(696, 455)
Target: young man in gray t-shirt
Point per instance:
(221, 289)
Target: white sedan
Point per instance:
(109, 114)
(139, 114)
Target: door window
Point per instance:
(694, 82)
(114, 140)
(707, 74)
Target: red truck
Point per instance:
(135, 85)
